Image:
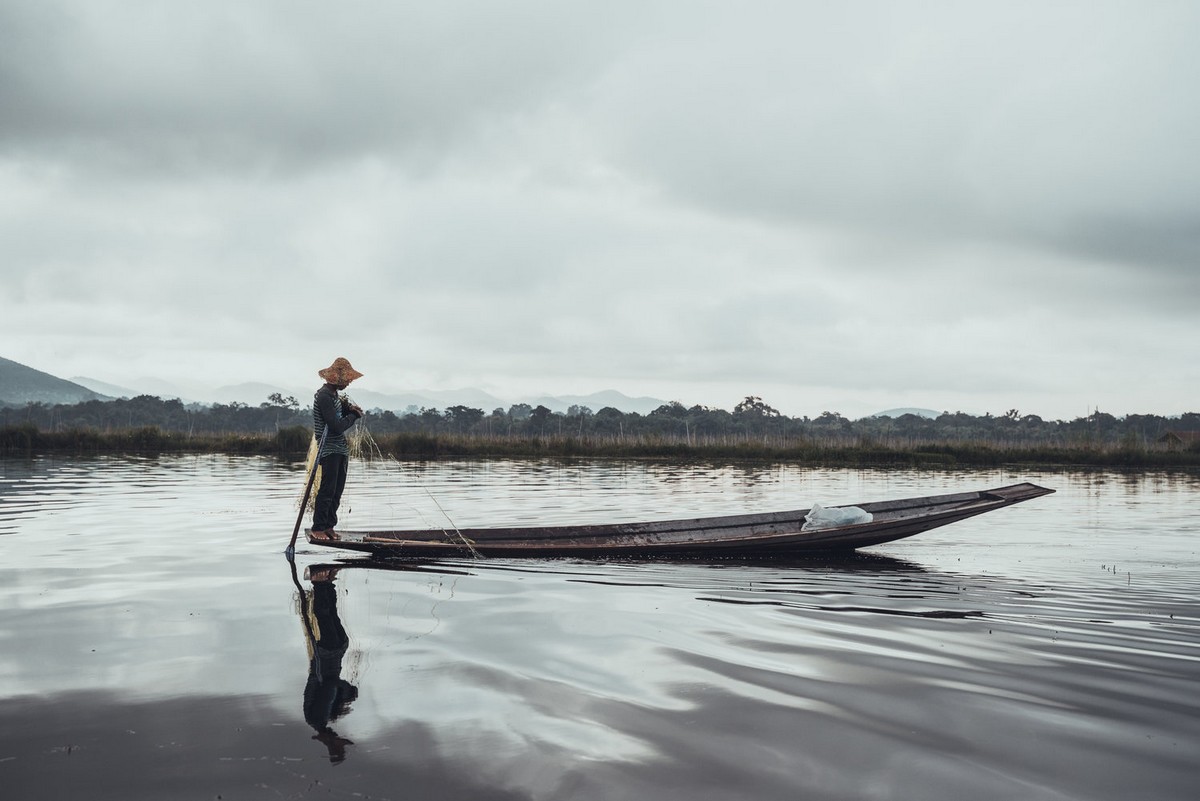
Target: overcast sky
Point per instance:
(845, 206)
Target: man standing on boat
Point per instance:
(332, 418)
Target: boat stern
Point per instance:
(1018, 492)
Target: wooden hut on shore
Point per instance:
(1178, 440)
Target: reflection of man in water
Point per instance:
(327, 696)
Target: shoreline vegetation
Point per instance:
(753, 431)
(293, 442)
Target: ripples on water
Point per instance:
(1049, 650)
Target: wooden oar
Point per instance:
(291, 549)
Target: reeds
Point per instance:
(26, 439)
(833, 452)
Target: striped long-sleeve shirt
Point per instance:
(328, 411)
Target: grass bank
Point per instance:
(29, 440)
(294, 442)
(831, 454)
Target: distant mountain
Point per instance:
(20, 385)
(599, 400)
(164, 389)
(467, 396)
(379, 400)
(111, 390)
(929, 413)
(399, 402)
(479, 399)
(252, 393)
(255, 393)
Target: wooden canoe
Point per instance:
(770, 534)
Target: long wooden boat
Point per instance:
(770, 534)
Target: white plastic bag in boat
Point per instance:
(822, 517)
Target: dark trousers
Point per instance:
(329, 494)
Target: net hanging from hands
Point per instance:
(363, 448)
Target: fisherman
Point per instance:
(337, 414)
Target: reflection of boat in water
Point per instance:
(834, 561)
(755, 535)
(327, 696)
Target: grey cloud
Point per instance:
(179, 86)
(864, 199)
(1042, 124)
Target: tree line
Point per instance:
(751, 421)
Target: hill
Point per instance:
(598, 400)
(254, 394)
(929, 413)
(20, 385)
(104, 388)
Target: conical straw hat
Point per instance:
(340, 372)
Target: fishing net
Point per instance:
(358, 440)
(310, 463)
(364, 449)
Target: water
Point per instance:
(152, 643)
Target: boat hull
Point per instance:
(757, 535)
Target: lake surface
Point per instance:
(156, 642)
